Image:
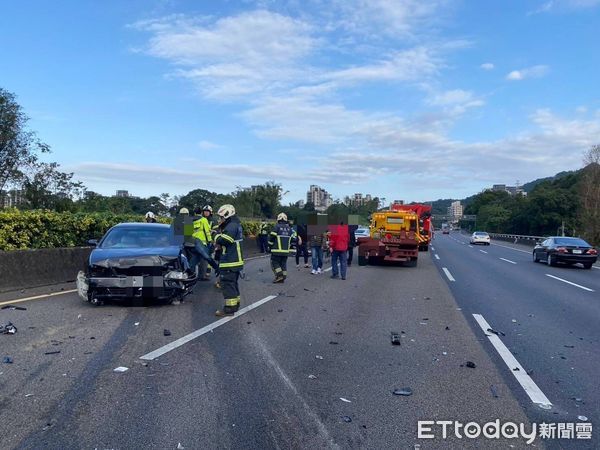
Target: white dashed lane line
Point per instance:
(531, 389)
(436, 256)
(571, 283)
(508, 260)
(448, 274)
(483, 251)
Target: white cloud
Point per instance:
(207, 145)
(487, 66)
(564, 6)
(529, 72)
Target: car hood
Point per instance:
(131, 257)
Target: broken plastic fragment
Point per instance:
(9, 328)
(121, 369)
(470, 364)
(333, 342)
(496, 332)
(318, 357)
(166, 332)
(404, 391)
(345, 400)
(179, 446)
(7, 360)
(52, 353)
(312, 377)
(494, 392)
(347, 419)
(582, 418)
(395, 337)
(19, 308)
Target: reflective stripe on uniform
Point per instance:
(232, 301)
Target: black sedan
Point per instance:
(136, 261)
(569, 250)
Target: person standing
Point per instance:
(263, 237)
(317, 242)
(351, 243)
(231, 262)
(339, 250)
(203, 232)
(302, 245)
(279, 243)
(150, 217)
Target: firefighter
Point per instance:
(150, 217)
(279, 243)
(231, 262)
(202, 241)
(263, 237)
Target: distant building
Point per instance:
(122, 194)
(512, 190)
(12, 198)
(455, 211)
(319, 197)
(398, 202)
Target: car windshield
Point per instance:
(571, 241)
(480, 233)
(138, 238)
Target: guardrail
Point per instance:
(517, 238)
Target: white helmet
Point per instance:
(150, 215)
(207, 208)
(282, 216)
(226, 211)
(184, 211)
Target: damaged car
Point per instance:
(136, 261)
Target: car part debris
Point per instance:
(404, 391)
(18, 308)
(136, 324)
(514, 321)
(249, 322)
(7, 360)
(496, 332)
(179, 446)
(28, 395)
(339, 333)
(516, 369)
(318, 357)
(569, 346)
(347, 419)
(306, 289)
(494, 392)
(280, 310)
(312, 377)
(166, 332)
(395, 338)
(52, 353)
(345, 400)
(584, 418)
(577, 399)
(9, 328)
(121, 369)
(447, 328)
(470, 364)
(333, 342)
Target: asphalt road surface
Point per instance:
(549, 317)
(308, 364)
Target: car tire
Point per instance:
(587, 265)
(362, 260)
(535, 258)
(550, 260)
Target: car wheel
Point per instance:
(362, 260)
(535, 258)
(587, 265)
(550, 260)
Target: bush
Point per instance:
(21, 230)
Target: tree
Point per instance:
(590, 195)
(46, 187)
(19, 147)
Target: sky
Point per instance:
(402, 99)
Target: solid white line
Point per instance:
(483, 251)
(531, 389)
(185, 339)
(569, 282)
(508, 260)
(436, 256)
(596, 267)
(448, 274)
(26, 299)
(512, 248)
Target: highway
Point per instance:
(307, 364)
(549, 317)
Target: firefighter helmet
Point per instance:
(282, 216)
(207, 208)
(184, 211)
(226, 211)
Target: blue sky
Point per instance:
(405, 99)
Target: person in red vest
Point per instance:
(338, 242)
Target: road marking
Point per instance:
(483, 251)
(36, 297)
(328, 269)
(571, 283)
(432, 248)
(508, 260)
(596, 267)
(448, 274)
(531, 389)
(512, 248)
(470, 246)
(436, 256)
(185, 339)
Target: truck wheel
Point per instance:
(426, 248)
(362, 260)
(412, 263)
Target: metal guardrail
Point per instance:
(518, 237)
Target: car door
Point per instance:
(547, 248)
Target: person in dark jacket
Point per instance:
(231, 262)
(279, 243)
(351, 242)
(302, 245)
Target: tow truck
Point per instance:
(393, 236)
(425, 230)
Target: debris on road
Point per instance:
(444, 353)
(136, 324)
(52, 353)
(249, 322)
(345, 400)
(280, 310)
(18, 308)
(312, 377)
(179, 446)
(166, 332)
(9, 328)
(347, 419)
(28, 395)
(395, 338)
(318, 357)
(339, 333)
(496, 332)
(306, 289)
(494, 392)
(404, 391)
(470, 364)
(577, 399)
(7, 360)
(569, 346)
(447, 328)
(582, 418)
(516, 369)
(121, 369)
(333, 342)
(514, 321)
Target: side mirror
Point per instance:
(92, 242)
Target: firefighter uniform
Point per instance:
(279, 243)
(231, 261)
